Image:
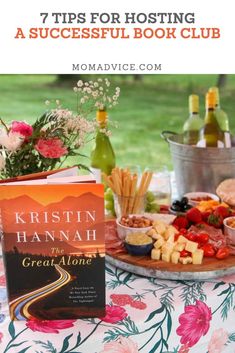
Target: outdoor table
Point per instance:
(151, 314)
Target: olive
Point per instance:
(176, 208)
(184, 201)
(176, 203)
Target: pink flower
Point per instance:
(121, 299)
(194, 323)
(49, 326)
(22, 128)
(114, 314)
(1, 336)
(122, 345)
(138, 304)
(51, 148)
(217, 341)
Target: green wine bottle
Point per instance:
(102, 155)
(194, 123)
(211, 135)
(221, 117)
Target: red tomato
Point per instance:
(183, 231)
(208, 249)
(176, 236)
(191, 236)
(185, 253)
(202, 238)
(222, 253)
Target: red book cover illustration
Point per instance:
(53, 247)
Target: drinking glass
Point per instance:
(160, 185)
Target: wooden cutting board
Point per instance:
(145, 266)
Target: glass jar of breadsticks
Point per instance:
(129, 196)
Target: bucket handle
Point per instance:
(166, 134)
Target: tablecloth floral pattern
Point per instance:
(142, 315)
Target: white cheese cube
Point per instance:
(186, 260)
(159, 226)
(171, 238)
(191, 246)
(156, 254)
(175, 257)
(166, 256)
(157, 236)
(179, 246)
(197, 257)
(167, 247)
(151, 232)
(182, 239)
(158, 244)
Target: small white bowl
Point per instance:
(199, 194)
(123, 230)
(229, 231)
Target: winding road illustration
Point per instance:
(19, 308)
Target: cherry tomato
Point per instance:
(176, 237)
(183, 231)
(202, 238)
(222, 253)
(191, 236)
(208, 249)
(184, 253)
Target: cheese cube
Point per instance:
(151, 232)
(186, 260)
(171, 238)
(159, 226)
(158, 244)
(191, 246)
(179, 246)
(172, 229)
(167, 247)
(182, 239)
(166, 256)
(175, 257)
(157, 236)
(156, 254)
(197, 257)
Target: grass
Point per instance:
(159, 102)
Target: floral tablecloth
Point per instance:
(143, 315)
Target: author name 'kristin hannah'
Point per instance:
(50, 218)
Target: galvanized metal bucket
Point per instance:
(199, 169)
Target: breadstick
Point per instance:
(132, 193)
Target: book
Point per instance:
(53, 249)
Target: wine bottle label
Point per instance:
(227, 140)
(220, 144)
(97, 174)
(202, 143)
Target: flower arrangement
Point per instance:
(58, 134)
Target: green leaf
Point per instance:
(78, 340)
(17, 344)
(126, 279)
(11, 329)
(108, 270)
(66, 343)
(232, 337)
(217, 285)
(224, 292)
(24, 350)
(158, 311)
(169, 325)
(155, 347)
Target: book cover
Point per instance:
(53, 247)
